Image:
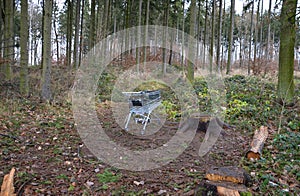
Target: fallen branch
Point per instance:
(257, 143)
(10, 136)
(7, 188)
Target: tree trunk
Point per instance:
(191, 51)
(8, 53)
(81, 34)
(286, 84)
(269, 31)
(256, 34)
(219, 36)
(24, 33)
(164, 50)
(105, 19)
(146, 31)
(55, 32)
(230, 41)
(46, 78)
(1, 28)
(205, 33)
(76, 36)
(138, 37)
(69, 32)
(212, 39)
(250, 38)
(92, 25)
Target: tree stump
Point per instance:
(220, 188)
(202, 122)
(228, 174)
(225, 181)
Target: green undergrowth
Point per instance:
(251, 102)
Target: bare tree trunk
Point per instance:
(182, 41)
(205, 32)
(1, 28)
(219, 36)
(250, 38)
(166, 23)
(191, 52)
(138, 37)
(256, 34)
(81, 34)
(146, 31)
(69, 32)
(76, 36)
(230, 42)
(46, 78)
(55, 33)
(268, 55)
(286, 86)
(261, 29)
(8, 53)
(212, 39)
(24, 34)
(92, 29)
(105, 19)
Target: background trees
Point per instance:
(245, 38)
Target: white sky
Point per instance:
(238, 4)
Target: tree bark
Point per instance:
(138, 37)
(250, 38)
(229, 174)
(212, 39)
(146, 31)
(257, 143)
(1, 28)
(205, 33)
(24, 34)
(286, 84)
(92, 25)
(8, 53)
(268, 55)
(76, 35)
(219, 36)
(191, 51)
(230, 41)
(81, 34)
(46, 77)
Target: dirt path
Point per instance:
(50, 158)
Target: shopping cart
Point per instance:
(141, 105)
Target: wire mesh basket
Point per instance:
(141, 105)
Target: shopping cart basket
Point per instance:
(141, 105)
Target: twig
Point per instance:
(10, 136)
(22, 187)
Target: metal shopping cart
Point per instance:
(141, 105)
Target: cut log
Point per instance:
(7, 188)
(257, 143)
(229, 174)
(220, 188)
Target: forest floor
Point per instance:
(41, 141)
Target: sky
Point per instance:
(238, 4)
